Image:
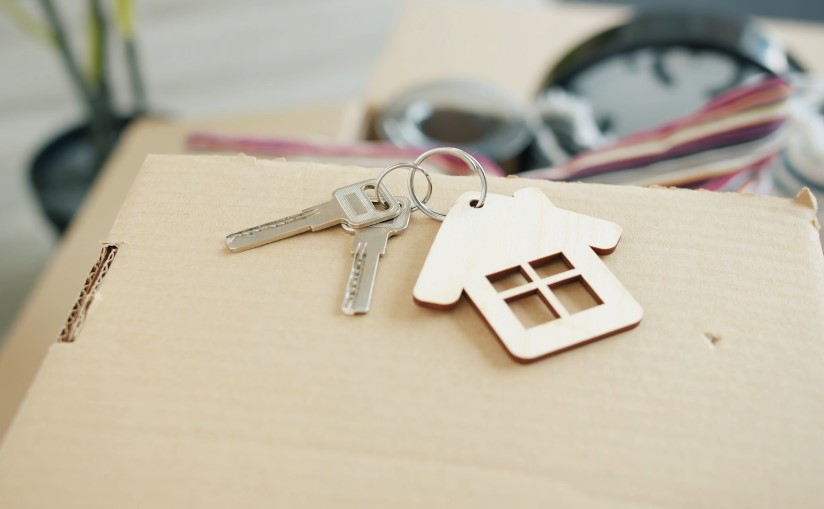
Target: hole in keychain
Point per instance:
(378, 201)
(470, 161)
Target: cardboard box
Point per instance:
(202, 378)
(509, 47)
(44, 313)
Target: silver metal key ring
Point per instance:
(414, 168)
(470, 161)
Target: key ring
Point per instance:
(470, 161)
(414, 169)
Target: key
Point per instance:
(349, 205)
(368, 247)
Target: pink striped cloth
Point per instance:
(738, 132)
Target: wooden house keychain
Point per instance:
(489, 238)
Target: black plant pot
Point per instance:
(64, 169)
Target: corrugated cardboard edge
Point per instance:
(74, 323)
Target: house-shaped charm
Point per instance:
(532, 270)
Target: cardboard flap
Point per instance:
(211, 379)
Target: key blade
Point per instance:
(360, 286)
(367, 249)
(349, 204)
(314, 218)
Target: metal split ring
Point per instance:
(470, 161)
(414, 168)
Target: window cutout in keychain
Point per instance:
(551, 265)
(531, 310)
(507, 279)
(575, 295)
(566, 296)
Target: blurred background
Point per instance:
(205, 58)
(199, 58)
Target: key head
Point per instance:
(362, 210)
(395, 225)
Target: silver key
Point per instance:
(368, 247)
(349, 205)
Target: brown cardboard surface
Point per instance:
(203, 378)
(44, 313)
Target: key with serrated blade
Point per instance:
(349, 205)
(368, 247)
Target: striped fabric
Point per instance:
(737, 133)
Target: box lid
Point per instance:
(211, 379)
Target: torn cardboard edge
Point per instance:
(806, 198)
(74, 323)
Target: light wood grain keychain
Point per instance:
(503, 251)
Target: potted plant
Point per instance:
(63, 170)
